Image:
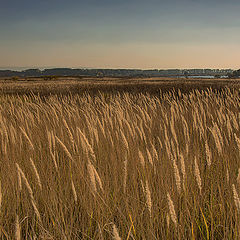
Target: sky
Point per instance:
(145, 34)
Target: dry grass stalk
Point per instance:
(36, 210)
(27, 137)
(95, 133)
(0, 195)
(143, 132)
(53, 155)
(216, 139)
(173, 131)
(238, 179)
(149, 157)
(148, 198)
(229, 127)
(227, 176)
(154, 153)
(17, 229)
(98, 179)
(129, 128)
(100, 232)
(219, 134)
(92, 177)
(237, 141)
(125, 163)
(36, 173)
(183, 169)
(19, 181)
(53, 141)
(49, 136)
(124, 140)
(197, 175)
(85, 144)
(69, 132)
(25, 181)
(176, 175)
(13, 134)
(101, 128)
(236, 198)
(160, 142)
(208, 154)
(141, 159)
(64, 148)
(168, 221)
(187, 149)
(115, 233)
(74, 191)
(234, 121)
(30, 192)
(172, 210)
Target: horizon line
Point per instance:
(114, 68)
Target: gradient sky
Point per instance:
(120, 34)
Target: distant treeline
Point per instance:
(234, 74)
(116, 72)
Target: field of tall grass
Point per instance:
(120, 166)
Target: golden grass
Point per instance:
(120, 166)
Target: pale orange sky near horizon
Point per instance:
(129, 56)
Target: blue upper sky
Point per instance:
(115, 34)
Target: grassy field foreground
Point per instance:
(120, 166)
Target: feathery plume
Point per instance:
(19, 181)
(168, 220)
(148, 198)
(216, 139)
(197, 174)
(183, 169)
(85, 144)
(172, 210)
(176, 175)
(115, 233)
(208, 154)
(92, 177)
(98, 179)
(227, 176)
(36, 173)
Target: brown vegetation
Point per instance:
(120, 165)
(80, 85)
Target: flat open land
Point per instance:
(102, 158)
(64, 85)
